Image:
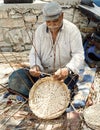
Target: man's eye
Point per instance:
(56, 20)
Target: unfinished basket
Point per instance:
(92, 116)
(48, 98)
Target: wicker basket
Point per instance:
(48, 98)
(92, 116)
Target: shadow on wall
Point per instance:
(18, 1)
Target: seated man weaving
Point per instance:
(57, 50)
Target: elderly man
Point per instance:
(57, 50)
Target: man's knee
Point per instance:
(19, 81)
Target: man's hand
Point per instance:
(61, 74)
(35, 71)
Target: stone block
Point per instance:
(68, 2)
(27, 36)
(11, 23)
(38, 5)
(12, 12)
(30, 18)
(16, 16)
(28, 47)
(18, 48)
(1, 35)
(3, 14)
(6, 49)
(40, 19)
(20, 36)
(68, 14)
(5, 44)
(77, 17)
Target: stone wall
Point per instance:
(19, 21)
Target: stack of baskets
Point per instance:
(92, 116)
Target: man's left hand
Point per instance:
(61, 74)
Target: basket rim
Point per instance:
(36, 85)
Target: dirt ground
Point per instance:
(16, 115)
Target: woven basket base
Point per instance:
(49, 98)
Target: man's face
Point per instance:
(54, 25)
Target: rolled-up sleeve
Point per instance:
(34, 59)
(34, 56)
(77, 51)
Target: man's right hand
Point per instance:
(35, 71)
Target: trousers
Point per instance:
(21, 81)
